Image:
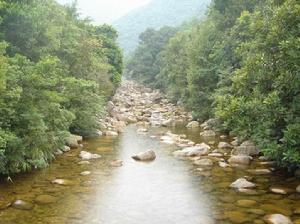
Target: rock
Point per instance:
(66, 149)
(168, 123)
(98, 133)
(111, 133)
(247, 148)
(117, 163)
(277, 219)
(110, 108)
(246, 203)
(223, 137)
(58, 152)
(223, 164)
(83, 162)
(281, 190)
(22, 205)
(256, 211)
(63, 182)
(85, 173)
(298, 189)
(216, 154)
(240, 159)
(145, 156)
(73, 141)
(203, 162)
(208, 133)
(193, 124)
(88, 156)
(198, 150)
(237, 217)
(45, 199)
(259, 171)
(242, 183)
(224, 145)
(211, 123)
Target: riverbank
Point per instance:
(198, 175)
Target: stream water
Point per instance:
(167, 190)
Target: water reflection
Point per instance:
(156, 192)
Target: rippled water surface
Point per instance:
(168, 190)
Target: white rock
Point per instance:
(88, 156)
(277, 219)
(242, 183)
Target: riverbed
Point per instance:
(167, 190)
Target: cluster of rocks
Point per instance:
(71, 142)
(134, 103)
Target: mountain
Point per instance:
(156, 14)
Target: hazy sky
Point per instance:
(106, 11)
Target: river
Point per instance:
(167, 190)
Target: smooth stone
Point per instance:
(116, 163)
(84, 163)
(250, 191)
(145, 156)
(281, 190)
(85, 173)
(237, 217)
(298, 189)
(63, 182)
(271, 208)
(22, 205)
(259, 171)
(88, 156)
(223, 164)
(216, 154)
(73, 141)
(246, 203)
(204, 162)
(45, 199)
(277, 219)
(256, 211)
(242, 183)
(240, 159)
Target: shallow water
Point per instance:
(167, 190)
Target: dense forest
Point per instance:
(156, 14)
(240, 64)
(56, 73)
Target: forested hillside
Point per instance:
(156, 14)
(56, 73)
(241, 65)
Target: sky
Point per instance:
(106, 11)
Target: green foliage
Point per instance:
(241, 64)
(144, 64)
(55, 75)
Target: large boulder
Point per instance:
(198, 150)
(247, 148)
(145, 156)
(193, 124)
(73, 141)
(242, 160)
(277, 219)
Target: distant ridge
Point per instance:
(156, 14)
